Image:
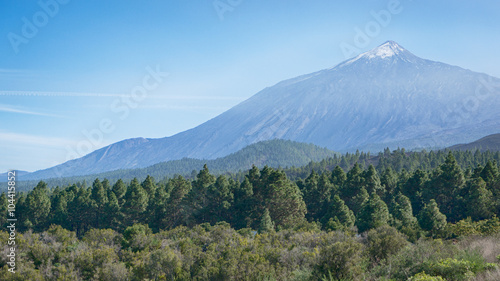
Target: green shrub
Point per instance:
(458, 269)
(383, 242)
(425, 277)
(342, 259)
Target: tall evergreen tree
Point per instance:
(371, 181)
(220, 200)
(99, 198)
(149, 185)
(119, 189)
(80, 216)
(353, 184)
(274, 191)
(389, 180)
(373, 214)
(113, 217)
(283, 199)
(175, 214)
(338, 217)
(310, 187)
(414, 189)
(479, 202)
(196, 200)
(446, 186)
(323, 194)
(338, 177)
(431, 219)
(157, 207)
(402, 212)
(266, 224)
(243, 204)
(59, 212)
(136, 203)
(358, 201)
(490, 172)
(38, 205)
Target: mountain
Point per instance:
(3, 176)
(386, 97)
(491, 143)
(272, 153)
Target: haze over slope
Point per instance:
(384, 97)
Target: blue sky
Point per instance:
(72, 72)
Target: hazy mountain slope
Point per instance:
(273, 153)
(491, 143)
(385, 97)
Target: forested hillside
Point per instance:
(491, 142)
(363, 222)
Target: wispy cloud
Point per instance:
(76, 94)
(184, 107)
(13, 109)
(198, 98)
(56, 94)
(34, 140)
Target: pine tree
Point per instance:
(338, 177)
(489, 173)
(99, 198)
(338, 217)
(323, 194)
(414, 189)
(310, 188)
(119, 189)
(149, 185)
(431, 219)
(402, 212)
(243, 204)
(175, 214)
(445, 187)
(479, 202)
(353, 183)
(196, 200)
(220, 199)
(80, 216)
(282, 198)
(136, 203)
(389, 180)
(318, 191)
(157, 207)
(59, 213)
(373, 214)
(371, 181)
(38, 206)
(358, 201)
(266, 224)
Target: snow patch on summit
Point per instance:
(387, 49)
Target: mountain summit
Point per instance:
(386, 97)
(388, 50)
